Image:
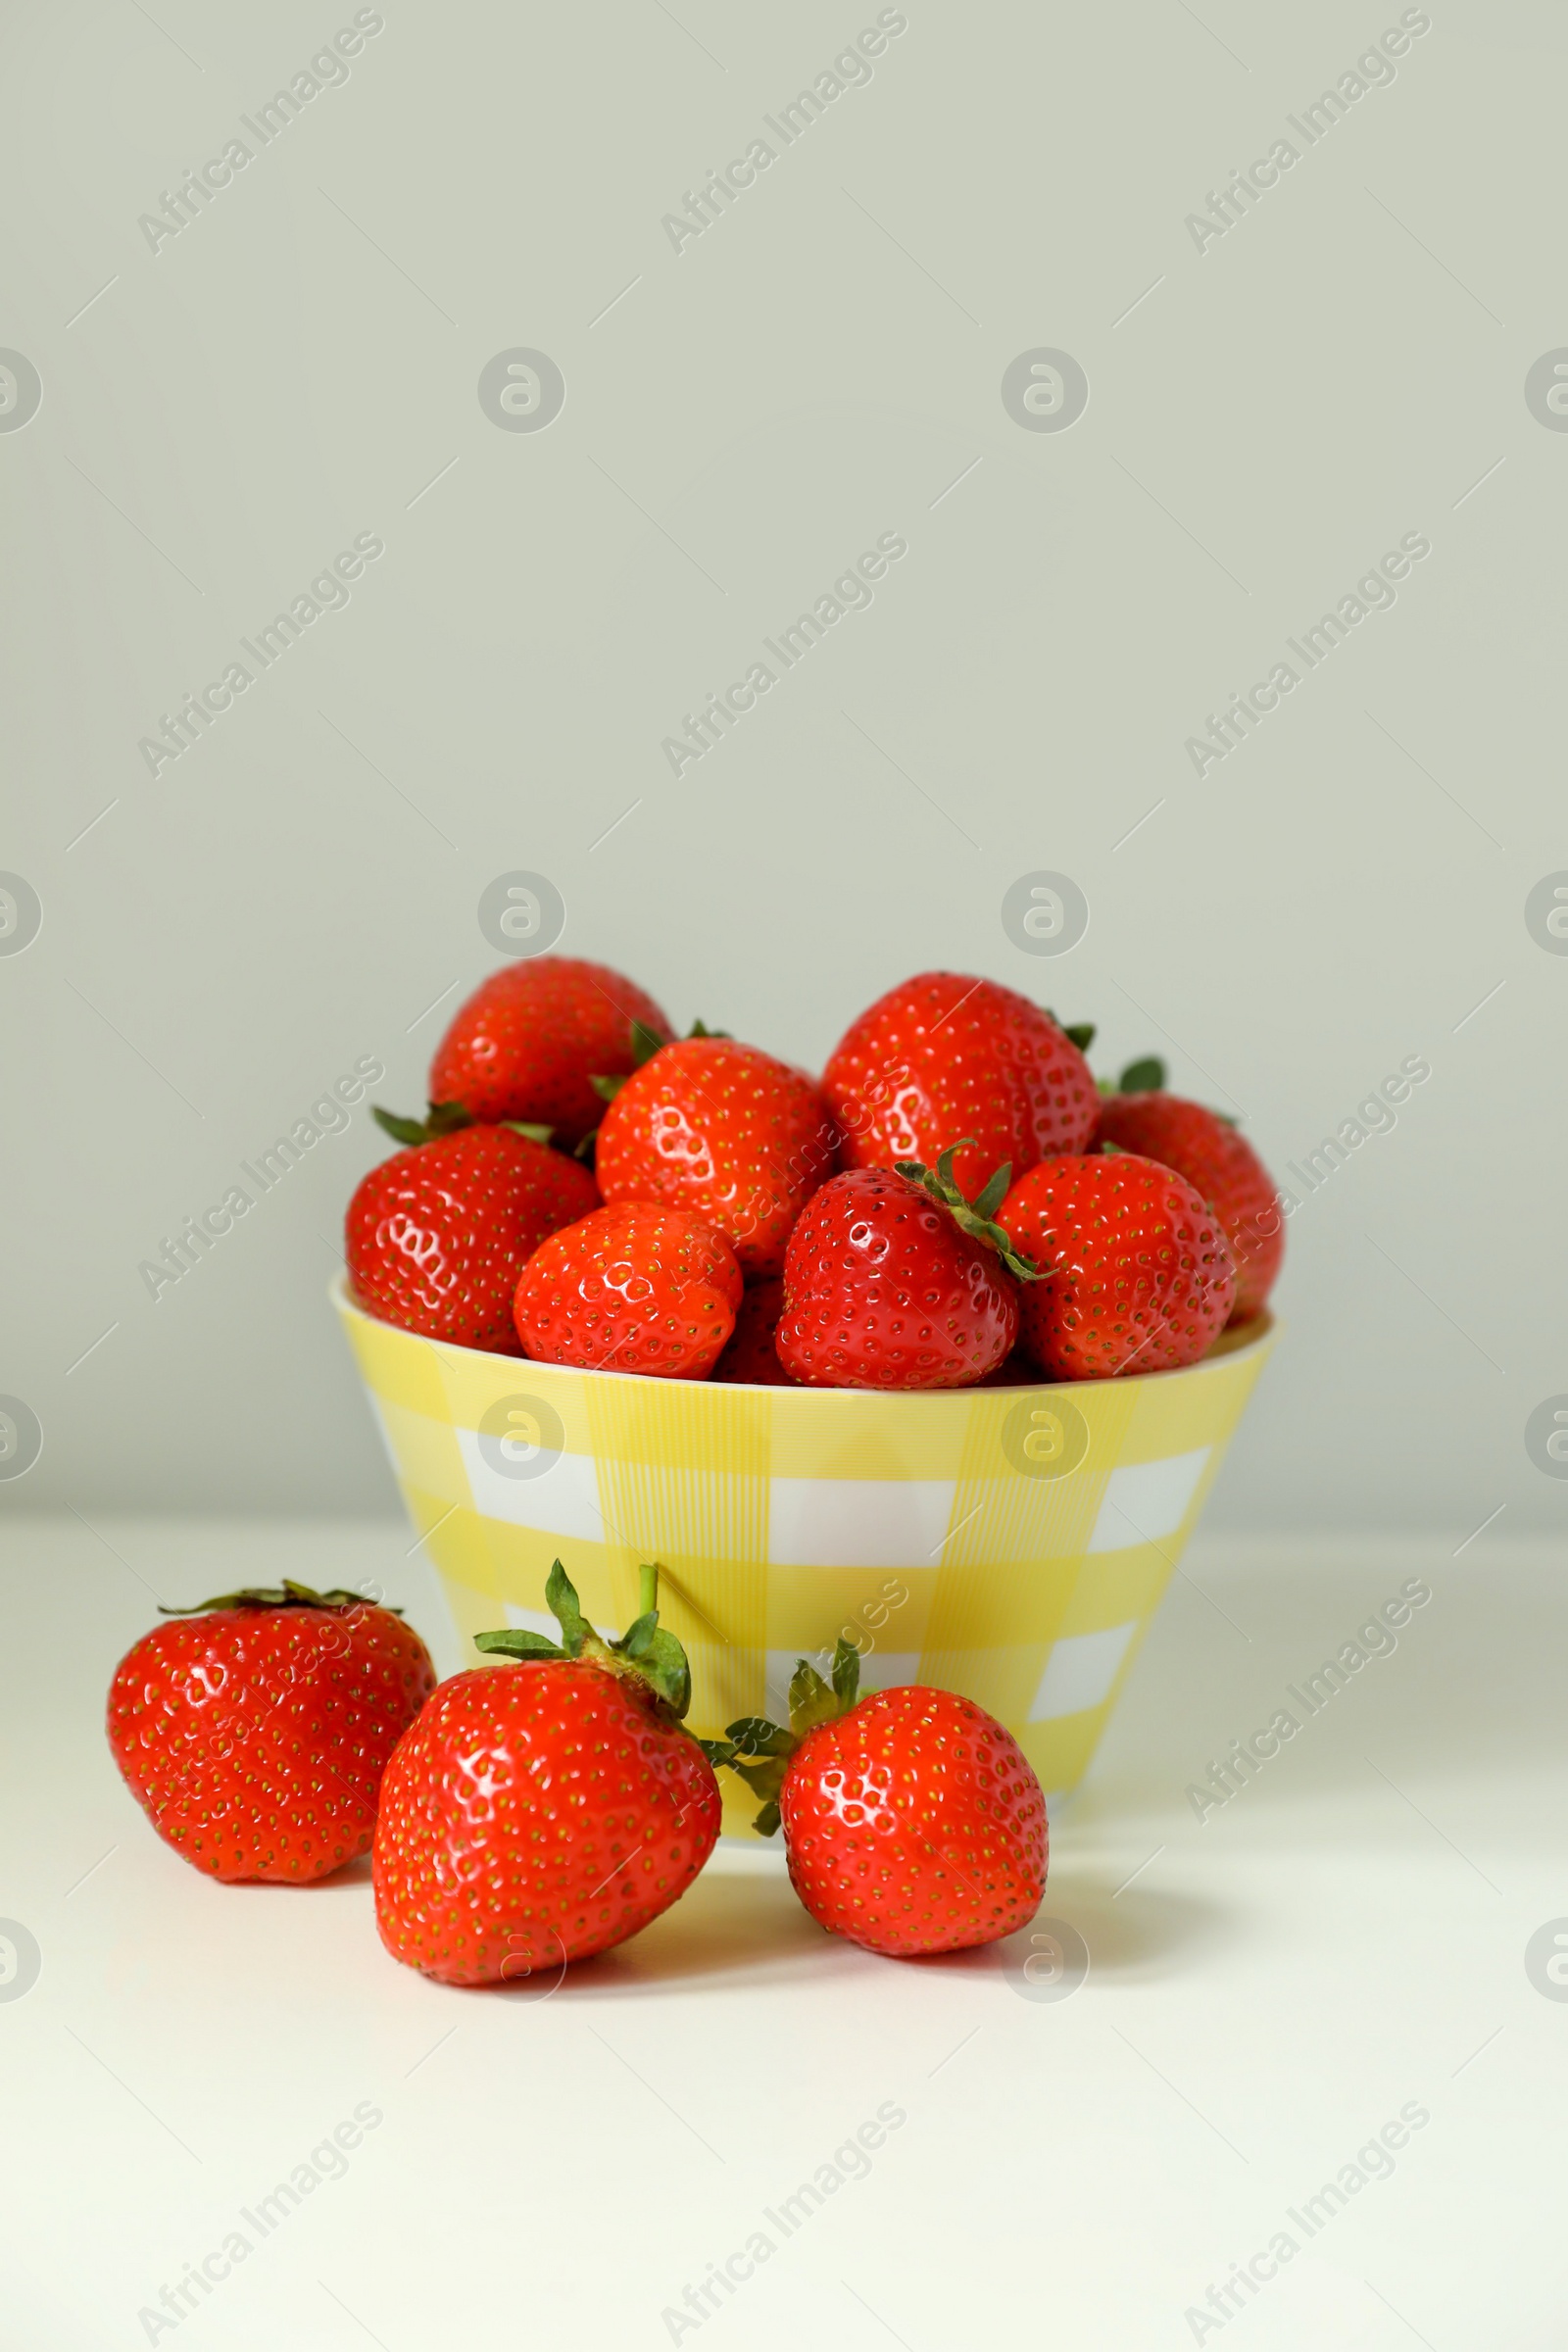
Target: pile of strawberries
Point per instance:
(956, 1201)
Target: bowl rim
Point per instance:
(1234, 1342)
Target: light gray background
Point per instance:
(823, 364)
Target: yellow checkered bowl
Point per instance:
(1007, 1543)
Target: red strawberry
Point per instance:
(530, 1039)
(725, 1130)
(944, 1056)
(437, 1236)
(636, 1288)
(253, 1730)
(913, 1821)
(751, 1354)
(541, 1811)
(893, 1281)
(1203, 1146)
(1136, 1273)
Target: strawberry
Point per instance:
(529, 1041)
(1136, 1273)
(633, 1288)
(913, 1820)
(437, 1236)
(723, 1130)
(751, 1354)
(255, 1729)
(1203, 1146)
(893, 1281)
(543, 1810)
(944, 1056)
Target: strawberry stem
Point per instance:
(645, 1650)
(759, 1752)
(977, 1219)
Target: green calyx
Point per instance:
(445, 1118)
(976, 1218)
(759, 1752)
(644, 1649)
(1148, 1077)
(287, 1595)
(1144, 1077)
(645, 1044)
(1082, 1033)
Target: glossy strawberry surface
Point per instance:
(944, 1056)
(1222, 1165)
(437, 1236)
(883, 1291)
(632, 1288)
(530, 1039)
(914, 1824)
(536, 1814)
(725, 1130)
(1138, 1274)
(255, 1739)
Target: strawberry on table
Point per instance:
(542, 1810)
(751, 1354)
(437, 1236)
(632, 1288)
(1136, 1273)
(944, 1056)
(913, 1820)
(893, 1281)
(530, 1039)
(1203, 1146)
(724, 1130)
(254, 1729)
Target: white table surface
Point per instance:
(1274, 1985)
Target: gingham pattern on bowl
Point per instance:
(935, 1530)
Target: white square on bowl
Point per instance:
(1080, 1671)
(1145, 1501)
(563, 1500)
(858, 1522)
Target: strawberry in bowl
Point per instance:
(1136, 1273)
(893, 1281)
(1217, 1161)
(726, 1132)
(634, 1286)
(529, 1042)
(437, 1236)
(944, 1056)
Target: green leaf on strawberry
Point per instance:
(645, 1648)
(1082, 1033)
(975, 1217)
(445, 1118)
(287, 1595)
(645, 1044)
(442, 1118)
(757, 1750)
